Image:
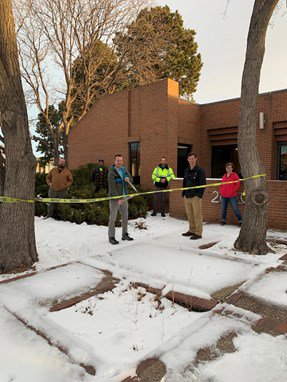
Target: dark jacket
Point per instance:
(192, 178)
(117, 185)
(100, 178)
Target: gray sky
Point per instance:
(222, 44)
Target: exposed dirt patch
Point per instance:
(225, 343)
(149, 370)
(261, 307)
(211, 353)
(222, 346)
(206, 354)
(223, 293)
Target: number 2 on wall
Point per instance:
(216, 198)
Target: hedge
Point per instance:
(83, 188)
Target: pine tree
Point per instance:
(49, 138)
(159, 47)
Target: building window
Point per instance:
(222, 155)
(134, 155)
(282, 161)
(182, 152)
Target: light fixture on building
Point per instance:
(261, 120)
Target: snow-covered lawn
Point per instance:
(123, 326)
(273, 288)
(116, 330)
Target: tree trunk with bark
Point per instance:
(252, 237)
(56, 148)
(17, 234)
(66, 148)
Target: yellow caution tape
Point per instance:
(6, 199)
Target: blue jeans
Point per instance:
(233, 202)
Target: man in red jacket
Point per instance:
(228, 193)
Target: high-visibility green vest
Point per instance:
(159, 173)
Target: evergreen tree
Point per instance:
(155, 46)
(47, 136)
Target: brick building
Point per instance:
(151, 121)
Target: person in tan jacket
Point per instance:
(59, 180)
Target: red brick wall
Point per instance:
(189, 122)
(225, 114)
(212, 211)
(148, 114)
(154, 115)
(102, 132)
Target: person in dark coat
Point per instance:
(100, 176)
(194, 176)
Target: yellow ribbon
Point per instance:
(6, 199)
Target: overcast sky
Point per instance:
(222, 44)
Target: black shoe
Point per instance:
(127, 237)
(163, 215)
(223, 223)
(240, 223)
(153, 214)
(195, 237)
(188, 233)
(113, 241)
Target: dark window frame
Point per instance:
(217, 168)
(182, 165)
(278, 164)
(136, 176)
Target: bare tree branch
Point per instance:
(54, 34)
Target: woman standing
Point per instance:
(228, 193)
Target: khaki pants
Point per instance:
(193, 208)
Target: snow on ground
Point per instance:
(257, 358)
(26, 357)
(178, 266)
(114, 331)
(272, 288)
(123, 327)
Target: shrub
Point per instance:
(83, 188)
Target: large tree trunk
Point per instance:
(252, 237)
(2, 174)
(17, 236)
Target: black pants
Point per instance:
(55, 194)
(159, 198)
